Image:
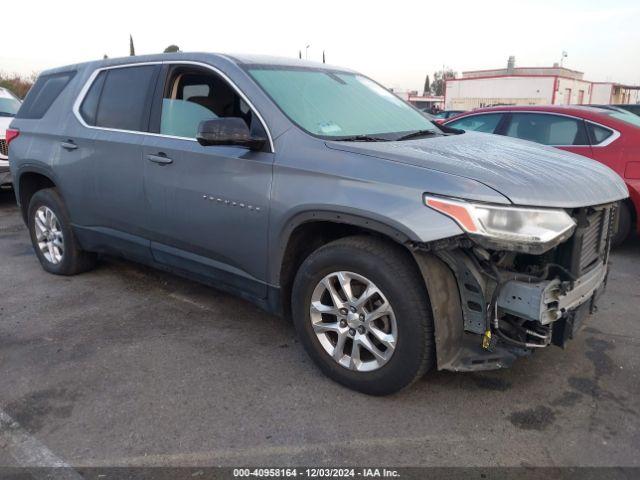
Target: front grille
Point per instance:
(594, 237)
(4, 148)
(590, 242)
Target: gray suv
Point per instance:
(395, 246)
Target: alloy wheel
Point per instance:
(353, 321)
(49, 235)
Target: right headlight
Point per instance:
(531, 230)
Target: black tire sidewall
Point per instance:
(412, 341)
(51, 199)
(624, 225)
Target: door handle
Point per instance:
(160, 159)
(69, 145)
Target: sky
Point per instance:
(396, 43)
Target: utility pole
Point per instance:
(306, 52)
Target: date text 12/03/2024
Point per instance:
(315, 472)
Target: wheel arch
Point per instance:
(29, 181)
(307, 231)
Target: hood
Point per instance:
(4, 124)
(526, 173)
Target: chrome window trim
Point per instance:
(604, 143)
(615, 134)
(96, 72)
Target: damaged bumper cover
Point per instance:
(491, 306)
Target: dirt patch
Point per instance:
(567, 399)
(537, 418)
(33, 410)
(486, 382)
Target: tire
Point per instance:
(624, 225)
(392, 271)
(67, 258)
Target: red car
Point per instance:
(611, 137)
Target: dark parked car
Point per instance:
(629, 107)
(444, 115)
(316, 193)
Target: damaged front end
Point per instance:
(496, 297)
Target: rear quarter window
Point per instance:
(43, 93)
(598, 134)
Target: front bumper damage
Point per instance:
(549, 300)
(491, 307)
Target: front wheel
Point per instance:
(362, 312)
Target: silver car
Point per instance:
(396, 246)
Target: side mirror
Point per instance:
(228, 131)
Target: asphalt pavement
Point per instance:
(126, 365)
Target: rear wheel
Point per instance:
(52, 237)
(362, 312)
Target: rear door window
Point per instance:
(120, 98)
(548, 129)
(486, 123)
(43, 93)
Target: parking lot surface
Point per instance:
(125, 365)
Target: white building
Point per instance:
(420, 101)
(532, 86)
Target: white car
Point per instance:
(9, 105)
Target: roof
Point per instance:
(523, 68)
(574, 109)
(251, 59)
(238, 59)
(602, 115)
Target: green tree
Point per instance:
(439, 79)
(132, 50)
(172, 49)
(17, 84)
(427, 87)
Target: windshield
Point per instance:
(627, 117)
(339, 105)
(9, 107)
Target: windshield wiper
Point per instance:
(7, 114)
(361, 138)
(417, 133)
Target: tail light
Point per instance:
(11, 135)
